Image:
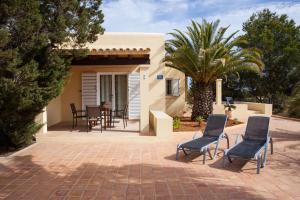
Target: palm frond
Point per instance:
(205, 54)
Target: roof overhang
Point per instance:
(115, 56)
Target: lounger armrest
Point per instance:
(222, 135)
(197, 133)
(265, 146)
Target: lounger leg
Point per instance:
(224, 160)
(227, 138)
(265, 156)
(258, 164)
(216, 149)
(271, 142)
(208, 150)
(177, 153)
(73, 122)
(76, 122)
(185, 153)
(204, 155)
(229, 159)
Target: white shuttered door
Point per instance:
(88, 89)
(134, 95)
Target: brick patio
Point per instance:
(80, 165)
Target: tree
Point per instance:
(293, 107)
(278, 38)
(205, 54)
(244, 87)
(33, 70)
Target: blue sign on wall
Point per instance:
(160, 77)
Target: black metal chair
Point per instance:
(254, 142)
(213, 133)
(122, 113)
(93, 116)
(76, 114)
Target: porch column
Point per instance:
(144, 103)
(218, 91)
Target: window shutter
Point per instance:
(175, 87)
(88, 89)
(134, 95)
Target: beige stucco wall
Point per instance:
(152, 91)
(54, 112)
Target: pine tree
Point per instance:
(32, 69)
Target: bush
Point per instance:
(199, 119)
(235, 121)
(176, 122)
(229, 107)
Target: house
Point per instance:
(122, 68)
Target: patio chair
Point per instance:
(213, 133)
(255, 141)
(76, 114)
(93, 116)
(122, 113)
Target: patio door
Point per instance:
(120, 91)
(106, 89)
(113, 88)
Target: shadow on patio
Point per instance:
(29, 180)
(131, 128)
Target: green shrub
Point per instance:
(229, 107)
(235, 121)
(199, 119)
(176, 122)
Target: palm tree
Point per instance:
(204, 54)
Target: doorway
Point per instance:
(114, 89)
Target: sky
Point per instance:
(162, 16)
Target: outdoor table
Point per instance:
(106, 109)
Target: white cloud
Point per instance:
(165, 15)
(236, 18)
(140, 16)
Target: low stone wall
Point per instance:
(245, 109)
(263, 108)
(161, 123)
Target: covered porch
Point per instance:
(110, 75)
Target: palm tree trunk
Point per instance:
(203, 100)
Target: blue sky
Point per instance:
(164, 15)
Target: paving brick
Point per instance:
(124, 165)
